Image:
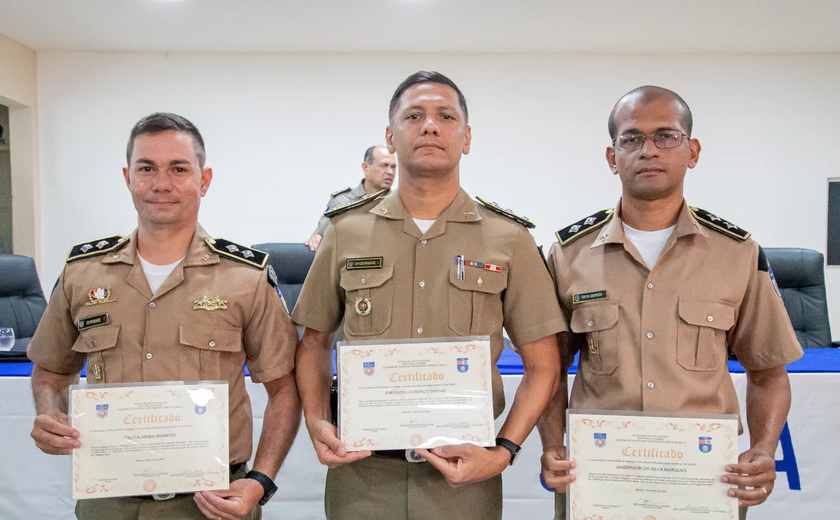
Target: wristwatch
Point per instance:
(269, 487)
(511, 446)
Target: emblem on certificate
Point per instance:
(415, 393)
(362, 306)
(650, 468)
(100, 295)
(209, 304)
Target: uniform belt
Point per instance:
(234, 468)
(406, 455)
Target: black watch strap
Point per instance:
(269, 487)
(511, 446)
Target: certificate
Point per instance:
(415, 394)
(643, 467)
(149, 438)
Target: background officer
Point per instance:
(414, 236)
(169, 303)
(655, 290)
(379, 167)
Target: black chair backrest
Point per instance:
(22, 301)
(291, 262)
(800, 274)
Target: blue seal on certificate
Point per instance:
(102, 411)
(600, 439)
(463, 364)
(369, 367)
(705, 444)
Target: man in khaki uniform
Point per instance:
(379, 167)
(655, 290)
(411, 289)
(170, 303)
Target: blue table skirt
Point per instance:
(814, 360)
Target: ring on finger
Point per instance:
(764, 490)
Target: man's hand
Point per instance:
(555, 469)
(53, 435)
(755, 469)
(465, 463)
(331, 451)
(313, 242)
(230, 504)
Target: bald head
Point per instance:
(649, 94)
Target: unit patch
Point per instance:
(92, 321)
(588, 297)
(580, 228)
(357, 264)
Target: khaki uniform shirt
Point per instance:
(336, 201)
(416, 293)
(655, 340)
(161, 337)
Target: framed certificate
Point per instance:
(415, 394)
(150, 438)
(638, 466)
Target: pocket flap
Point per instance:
(200, 336)
(481, 280)
(595, 316)
(717, 315)
(95, 340)
(365, 278)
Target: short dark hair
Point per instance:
(166, 122)
(369, 153)
(426, 76)
(649, 94)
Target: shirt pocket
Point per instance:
(202, 350)
(701, 335)
(599, 321)
(368, 296)
(99, 346)
(475, 303)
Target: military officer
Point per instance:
(656, 289)
(170, 303)
(412, 289)
(379, 167)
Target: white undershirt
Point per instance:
(156, 274)
(424, 225)
(648, 243)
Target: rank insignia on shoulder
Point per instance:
(339, 192)
(720, 225)
(569, 234)
(240, 253)
(96, 247)
(355, 204)
(492, 206)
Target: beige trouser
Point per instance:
(378, 488)
(560, 508)
(182, 507)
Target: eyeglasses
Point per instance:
(663, 139)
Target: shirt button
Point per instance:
(480, 281)
(650, 384)
(650, 335)
(149, 355)
(423, 241)
(152, 305)
(419, 330)
(650, 286)
(115, 256)
(711, 319)
(212, 343)
(363, 281)
(422, 283)
(590, 323)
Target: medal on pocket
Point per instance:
(362, 306)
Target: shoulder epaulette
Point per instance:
(720, 225)
(96, 247)
(240, 253)
(339, 192)
(492, 206)
(569, 234)
(355, 204)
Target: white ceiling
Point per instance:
(596, 26)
